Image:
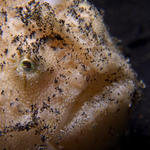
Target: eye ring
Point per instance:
(27, 65)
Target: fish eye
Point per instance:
(27, 65)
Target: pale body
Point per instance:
(79, 94)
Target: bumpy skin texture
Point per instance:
(78, 92)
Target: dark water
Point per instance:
(129, 21)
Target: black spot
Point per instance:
(6, 51)
(15, 39)
(58, 37)
(43, 138)
(2, 92)
(48, 99)
(59, 89)
(1, 31)
(1, 133)
(20, 49)
(55, 81)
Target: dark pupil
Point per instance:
(27, 64)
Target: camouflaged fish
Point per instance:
(63, 82)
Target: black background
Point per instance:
(129, 21)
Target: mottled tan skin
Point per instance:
(78, 95)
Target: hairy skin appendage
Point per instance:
(64, 85)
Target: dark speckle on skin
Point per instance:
(1, 31)
(6, 51)
(2, 92)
